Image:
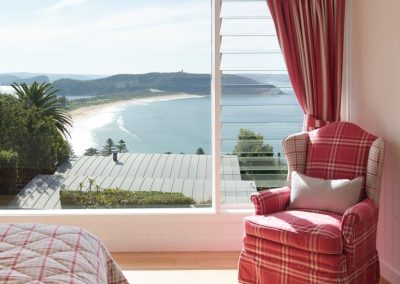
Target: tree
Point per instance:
(200, 151)
(62, 101)
(44, 98)
(8, 171)
(122, 146)
(34, 137)
(91, 152)
(108, 148)
(250, 144)
(63, 149)
(256, 159)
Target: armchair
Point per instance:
(287, 245)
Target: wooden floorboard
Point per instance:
(177, 260)
(182, 261)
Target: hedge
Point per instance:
(26, 131)
(117, 198)
(8, 171)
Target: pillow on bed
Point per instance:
(321, 194)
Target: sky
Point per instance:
(105, 37)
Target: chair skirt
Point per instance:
(263, 262)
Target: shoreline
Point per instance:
(83, 112)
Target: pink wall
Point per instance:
(375, 105)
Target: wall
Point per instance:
(145, 230)
(375, 105)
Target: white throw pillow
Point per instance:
(328, 195)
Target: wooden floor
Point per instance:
(178, 267)
(181, 267)
(177, 260)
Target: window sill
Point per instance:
(126, 212)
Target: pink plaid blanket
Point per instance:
(38, 253)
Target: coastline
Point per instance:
(87, 119)
(83, 112)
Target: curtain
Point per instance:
(311, 34)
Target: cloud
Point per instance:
(62, 5)
(152, 37)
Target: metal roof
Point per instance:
(188, 174)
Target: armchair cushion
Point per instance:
(335, 195)
(314, 231)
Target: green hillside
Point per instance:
(131, 84)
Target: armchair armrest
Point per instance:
(358, 219)
(271, 201)
(359, 225)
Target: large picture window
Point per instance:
(110, 104)
(128, 85)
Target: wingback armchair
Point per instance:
(285, 245)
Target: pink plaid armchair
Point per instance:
(283, 245)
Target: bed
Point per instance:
(38, 253)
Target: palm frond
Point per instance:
(44, 97)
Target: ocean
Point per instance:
(184, 125)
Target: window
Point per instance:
(258, 106)
(136, 78)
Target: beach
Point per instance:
(87, 119)
(84, 112)
(181, 123)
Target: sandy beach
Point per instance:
(84, 112)
(87, 119)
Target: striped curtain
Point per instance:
(311, 33)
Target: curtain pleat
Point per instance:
(311, 35)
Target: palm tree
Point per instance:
(44, 98)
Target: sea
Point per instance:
(184, 125)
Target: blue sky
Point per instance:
(105, 37)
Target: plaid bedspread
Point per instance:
(38, 253)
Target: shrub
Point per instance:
(8, 171)
(26, 131)
(62, 149)
(116, 198)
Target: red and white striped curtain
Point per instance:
(311, 33)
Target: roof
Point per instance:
(188, 174)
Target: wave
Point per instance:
(121, 125)
(82, 134)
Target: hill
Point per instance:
(7, 80)
(11, 76)
(130, 84)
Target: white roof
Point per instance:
(188, 174)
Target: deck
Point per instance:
(188, 174)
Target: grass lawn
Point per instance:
(117, 198)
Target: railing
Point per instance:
(259, 109)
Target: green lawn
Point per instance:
(117, 198)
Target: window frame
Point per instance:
(217, 207)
